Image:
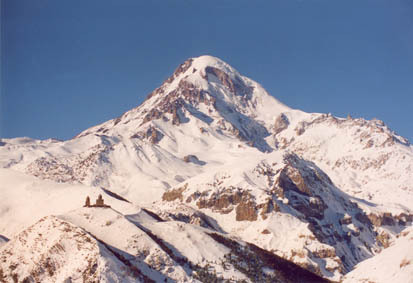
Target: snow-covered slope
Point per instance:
(56, 251)
(212, 148)
(284, 204)
(103, 245)
(394, 264)
(26, 199)
(3, 240)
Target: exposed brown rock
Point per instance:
(183, 67)
(155, 135)
(174, 194)
(384, 239)
(194, 159)
(281, 123)
(225, 201)
(380, 220)
(203, 130)
(404, 218)
(246, 211)
(369, 144)
(152, 134)
(177, 100)
(117, 120)
(221, 202)
(291, 179)
(175, 117)
(153, 114)
(236, 86)
(267, 207)
(325, 253)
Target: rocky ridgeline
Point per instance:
(73, 169)
(55, 250)
(181, 104)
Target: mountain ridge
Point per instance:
(211, 148)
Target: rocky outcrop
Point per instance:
(152, 134)
(302, 186)
(193, 159)
(226, 201)
(246, 211)
(387, 219)
(53, 250)
(74, 169)
(181, 69)
(236, 86)
(281, 123)
(174, 194)
(383, 238)
(180, 100)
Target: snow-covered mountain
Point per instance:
(212, 151)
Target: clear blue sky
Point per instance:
(69, 65)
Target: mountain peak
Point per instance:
(207, 92)
(205, 61)
(196, 69)
(211, 76)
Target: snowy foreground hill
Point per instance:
(210, 179)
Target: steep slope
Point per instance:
(56, 251)
(394, 264)
(283, 204)
(363, 158)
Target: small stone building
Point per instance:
(99, 202)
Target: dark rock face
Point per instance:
(387, 219)
(236, 86)
(290, 179)
(220, 202)
(308, 190)
(303, 190)
(184, 98)
(181, 69)
(384, 239)
(224, 202)
(256, 259)
(281, 123)
(154, 114)
(194, 159)
(246, 211)
(182, 104)
(152, 134)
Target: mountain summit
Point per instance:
(211, 148)
(207, 92)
